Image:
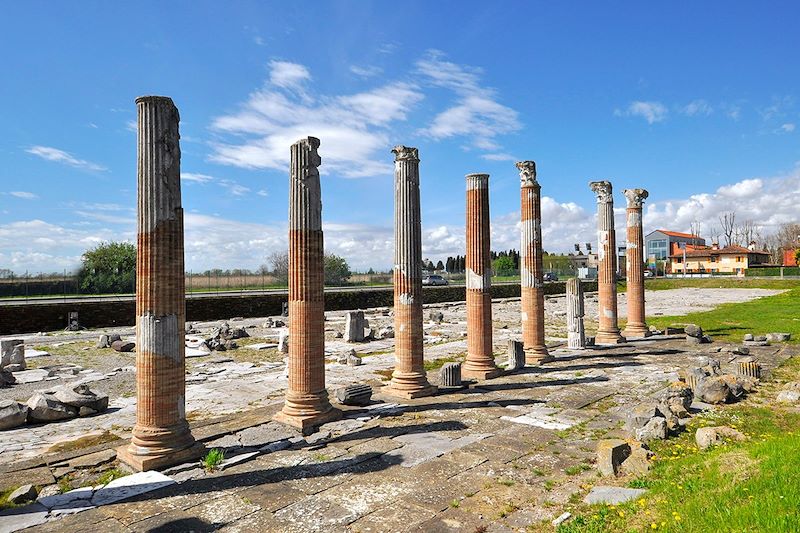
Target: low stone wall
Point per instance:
(30, 318)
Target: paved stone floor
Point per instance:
(500, 455)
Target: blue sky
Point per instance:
(696, 103)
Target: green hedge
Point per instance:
(772, 271)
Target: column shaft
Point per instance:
(608, 329)
(409, 379)
(576, 337)
(307, 405)
(531, 271)
(480, 358)
(161, 436)
(636, 326)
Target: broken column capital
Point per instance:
(527, 173)
(603, 191)
(636, 197)
(405, 153)
(477, 181)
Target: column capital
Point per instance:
(527, 173)
(405, 153)
(603, 191)
(477, 181)
(636, 197)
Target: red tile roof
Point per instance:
(678, 234)
(707, 251)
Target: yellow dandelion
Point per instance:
(653, 526)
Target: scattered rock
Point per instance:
(6, 378)
(123, 346)
(640, 415)
(25, 493)
(748, 337)
(359, 394)
(711, 436)
(45, 409)
(713, 390)
(612, 495)
(655, 429)
(693, 330)
(354, 325)
(778, 337)
(436, 316)
(450, 375)
(82, 398)
(386, 333)
(561, 519)
(32, 376)
(114, 337)
(677, 398)
(516, 355)
(12, 414)
(638, 463)
(283, 341)
(788, 396)
(611, 453)
(102, 342)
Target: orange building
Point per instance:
(713, 259)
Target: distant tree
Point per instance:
(503, 266)
(448, 266)
(371, 270)
(337, 271)
(728, 223)
(109, 267)
(279, 265)
(6, 273)
(797, 256)
(440, 265)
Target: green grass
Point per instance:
(750, 486)
(731, 321)
(720, 283)
(212, 459)
(436, 364)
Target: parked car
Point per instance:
(649, 274)
(549, 276)
(434, 279)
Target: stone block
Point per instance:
(12, 414)
(612, 495)
(450, 374)
(611, 453)
(516, 356)
(43, 408)
(359, 394)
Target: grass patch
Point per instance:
(212, 459)
(720, 283)
(436, 364)
(83, 442)
(739, 486)
(731, 321)
(576, 469)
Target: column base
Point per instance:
(537, 355)
(143, 462)
(307, 423)
(480, 371)
(409, 385)
(608, 337)
(636, 331)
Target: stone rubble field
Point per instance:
(502, 453)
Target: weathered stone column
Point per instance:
(530, 266)
(608, 330)
(408, 379)
(307, 405)
(576, 337)
(634, 265)
(161, 436)
(480, 359)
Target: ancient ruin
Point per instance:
(479, 363)
(576, 337)
(634, 264)
(531, 280)
(608, 330)
(161, 436)
(408, 379)
(307, 404)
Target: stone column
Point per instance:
(161, 436)
(408, 379)
(634, 264)
(576, 337)
(530, 265)
(307, 405)
(480, 359)
(608, 330)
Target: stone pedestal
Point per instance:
(307, 405)
(608, 330)
(576, 337)
(161, 436)
(409, 379)
(479, 363)
(530, 266)
(634, 265)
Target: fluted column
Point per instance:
(634, 264)
(608, 330)
(307, 405)
(530, 265)
(576, 337)
(408, 379)
(479, 363)
(161, 436)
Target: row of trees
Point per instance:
(735, 231)
(337, 271)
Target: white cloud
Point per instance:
(259, 41)
(697, 107)
(25, 195)
(354, 129)
(263, 192)
(288, 75)
(234, 188)
(60, 156)
(366, 72)
(788, 127)
(652, 112)
(499, 157)
(196, 178)
(476, 114)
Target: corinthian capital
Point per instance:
(636, 197)
(603, 191)
(405, 153)
(527, 173)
